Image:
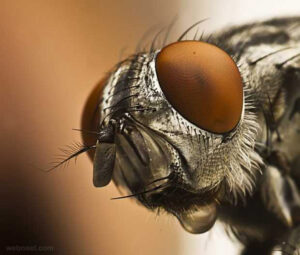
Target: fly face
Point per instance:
(186, 127)
(177, 131)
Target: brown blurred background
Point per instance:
(52, 53)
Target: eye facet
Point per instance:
(202, 83)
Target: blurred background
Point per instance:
(52, 54)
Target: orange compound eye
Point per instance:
(202, 83)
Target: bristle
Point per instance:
(69, 152)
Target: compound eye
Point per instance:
(202, 83)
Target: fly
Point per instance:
(206, 130)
